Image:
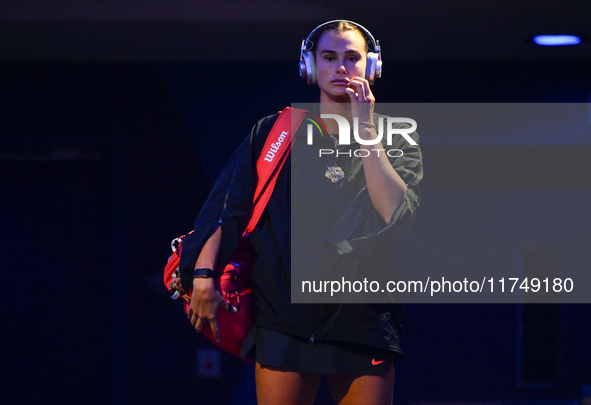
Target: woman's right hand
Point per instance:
(205, 301)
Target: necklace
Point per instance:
(334, 173)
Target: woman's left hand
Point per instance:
(362, 99)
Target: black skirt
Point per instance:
(271, 348)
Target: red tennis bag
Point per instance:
(234, 280)
(233, 284)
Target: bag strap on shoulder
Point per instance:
(272, 158)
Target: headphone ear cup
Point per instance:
(371, 70)
(310, 64)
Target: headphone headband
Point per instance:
(371, 42)
(308, 63)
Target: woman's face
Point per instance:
(340, 56)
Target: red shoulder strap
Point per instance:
(272, 158)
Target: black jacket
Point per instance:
(344, 233)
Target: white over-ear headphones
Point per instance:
(308, 62)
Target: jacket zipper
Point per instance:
(313, 324)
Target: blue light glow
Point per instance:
(556, 40)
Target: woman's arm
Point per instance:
(205, 298)
(386, 188)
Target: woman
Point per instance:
(354, 345)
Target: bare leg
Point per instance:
(365, 389)
(277, 386)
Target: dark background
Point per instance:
(115, 118)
